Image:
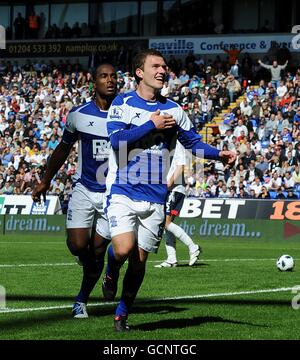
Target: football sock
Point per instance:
(92, 269)
(171, 247)
(180, 234)
(131, 284)
(113, 265)
(121, 309)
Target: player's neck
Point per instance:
(147, 93)
(102, 103)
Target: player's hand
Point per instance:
(228, 157)
(161, 122)
(40, 189)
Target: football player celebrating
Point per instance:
(87, 227)
(149, 124)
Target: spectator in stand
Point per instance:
(53, 142)
(252, 194)
(233, 53)
(235, 70)
(246, 109)
(279, 194)
(233, 87)
(8, 188)
(33, 25)
(286, 135)
(240, 127)
(264, 194)
(256, 186)
(275, 71)
(291, 195)
(206, 107)
(262, 131)
(57, 187)
(262, 165)
(19, 25)
(223, 192)
(288, 181)
(17, 184)
(296, 177)
(173, 82)
(296, 118)
(184, 78)
(275, 182)
(281, 89)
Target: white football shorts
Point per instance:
(85, 210)
(144, 218)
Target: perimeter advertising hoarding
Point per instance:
(71, 48)
(213, 218)
(33, 224)
(197, 228)
(24, 205)
(242, 229)
(216, 208)
(215, 44)
(238, 218)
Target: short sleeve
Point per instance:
(70, 134)
(118, 116)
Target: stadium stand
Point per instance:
(259, 122)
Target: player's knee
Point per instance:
(100, 251)
(121, 254)
(99, 247)
(76, 245)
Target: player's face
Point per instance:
(106, 80)
(154, 73)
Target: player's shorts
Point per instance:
(144, 218)
(85, 210)
(174, 203)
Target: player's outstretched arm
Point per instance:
(227, 157)
(57, 159)
(191, 140)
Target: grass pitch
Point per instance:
(233, 292)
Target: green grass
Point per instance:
(249, 316)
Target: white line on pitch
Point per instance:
(200, 296)
(32, 242)
(150, 261)
(36, 265)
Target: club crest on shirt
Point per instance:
(116, 113)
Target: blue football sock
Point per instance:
(131, 285)
(121, 309)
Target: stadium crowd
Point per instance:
(263, 128)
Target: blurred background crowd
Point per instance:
(262, 124)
